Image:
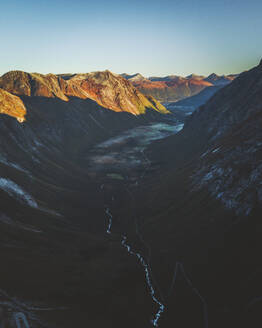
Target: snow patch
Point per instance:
(16, 191)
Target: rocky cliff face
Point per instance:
(12, 105)
(114, 92)
(231, 165)
(33, 84)
(107, 89)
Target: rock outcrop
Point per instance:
(12, 105)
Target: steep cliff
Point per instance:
(12, 105)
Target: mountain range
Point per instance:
(107, 89)
(174, 88)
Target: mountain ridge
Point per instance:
(172, 88)
(109, 90)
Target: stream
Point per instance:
(114, 159)
(146, 268)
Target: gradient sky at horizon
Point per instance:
(151, 37)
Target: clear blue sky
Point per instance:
(150, 37)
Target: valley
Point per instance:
(125, 164)
(130, 200)
(122, 217)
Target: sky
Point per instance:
(155, 38)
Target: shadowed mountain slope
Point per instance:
(205, 210)
(197, 100)
(232, 109)
(52, 217)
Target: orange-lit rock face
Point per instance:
(113, 92)
(12, 105)
(25, 84)
(174, 89)
(107, 89)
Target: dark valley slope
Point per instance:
(202, 217)
(195, 101)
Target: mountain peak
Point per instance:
(213, 76)
(134, 77)
(220, 79)
(195, 77)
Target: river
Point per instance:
(117, 158)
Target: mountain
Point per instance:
(195, 76)
(107, 89)
(165, 78)
(234, 129)
(34, 84)
(204, 213)
(170, 89)
(114, 92)
(220, 80)
(173, 88)
(134, 77)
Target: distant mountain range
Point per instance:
(173, 88)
